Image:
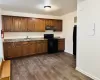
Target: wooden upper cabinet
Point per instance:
(7, 23)
(24, 24)
(36, 25)
(20, 24)
(48, 22)
(58, 25)
(31, 25)
(39, 25)
(14, 24)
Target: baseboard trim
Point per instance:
(87, 74)
(68, 52)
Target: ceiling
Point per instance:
(58, 7)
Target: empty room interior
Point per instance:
(49, 39)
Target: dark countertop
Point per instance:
(25, 39)
(59, 38)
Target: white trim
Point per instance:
(86, 73)
(68, 52)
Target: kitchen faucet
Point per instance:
(27, 37)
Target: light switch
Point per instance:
(91, 29)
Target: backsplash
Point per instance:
(15, 35)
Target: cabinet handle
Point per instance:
(34, 27)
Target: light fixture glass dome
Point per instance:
(47, 8)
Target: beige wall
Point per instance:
(68, 24)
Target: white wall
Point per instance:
(1, 50)
(11, 35)
(68, 24)
(88, 49)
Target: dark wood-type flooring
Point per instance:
(59, 66)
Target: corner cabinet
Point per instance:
(26, 24)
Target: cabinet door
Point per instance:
(59, 28)
(20, 24)
(12, 50)
(39, 25)
(45, 46)
(49, 22)
(39, 47)
(5, 49)
(23, 24)
(31, 25)
(61, 44)
(58, 25)
(32, 47)
(25, 50)
(17, 49)
(42, 46)
(7, 22)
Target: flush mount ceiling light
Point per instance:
(47, 8)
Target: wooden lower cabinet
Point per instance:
(12, 50)
(41, 47)
(45, 47)
(32, 48)
(61, 44)
(25, 48)
(28, 48)
(25, 51)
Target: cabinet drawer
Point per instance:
(17, 43)
(61, 40)
(7, 44)
(24, 43)
(32, 42)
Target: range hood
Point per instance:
(50, 28)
